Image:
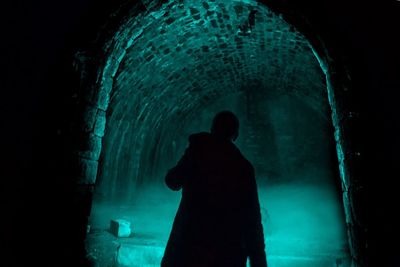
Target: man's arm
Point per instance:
(176, 176)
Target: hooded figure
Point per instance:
(218, 222)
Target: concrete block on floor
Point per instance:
(120, 228)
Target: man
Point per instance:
(218, 222)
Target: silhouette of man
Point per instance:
(218, 222)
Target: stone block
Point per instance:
(151, 4)
(89, 117)
(103, 99)
(87, 171)
(90, 147)
(100, 123)
(120, 228)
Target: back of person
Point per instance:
(218, 222)
(216, 194)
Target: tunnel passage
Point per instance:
(169, 71)
(182, 62)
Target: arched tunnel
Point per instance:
(166, 72)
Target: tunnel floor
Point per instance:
(303, 226)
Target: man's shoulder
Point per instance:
(199, 137)
(242, 158)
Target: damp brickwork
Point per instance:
(191, 54)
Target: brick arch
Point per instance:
(103, 67)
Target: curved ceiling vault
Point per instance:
(177, 59)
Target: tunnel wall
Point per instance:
(273, 59)
(99, 67)
(283, 137)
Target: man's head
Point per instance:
(225, 126)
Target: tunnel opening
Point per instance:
(166, 71)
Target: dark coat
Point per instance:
(218, 222)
